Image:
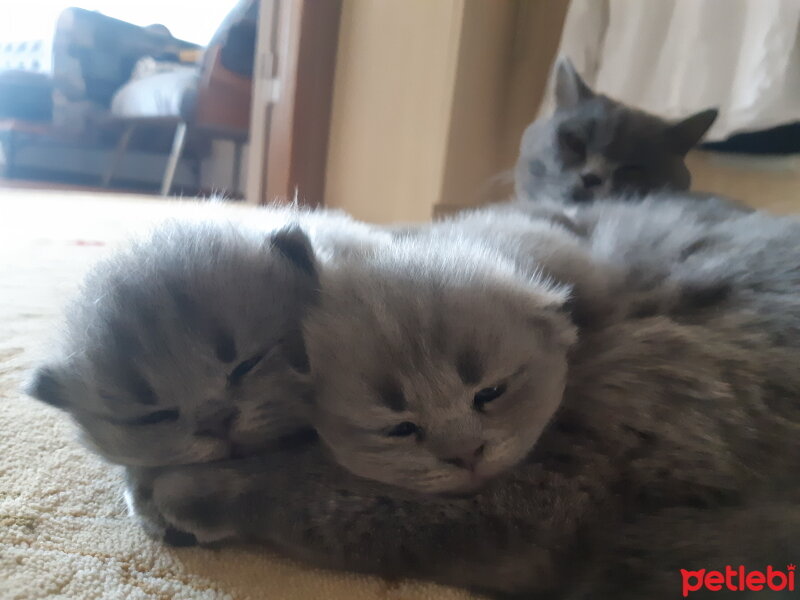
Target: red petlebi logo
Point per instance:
(738, 580)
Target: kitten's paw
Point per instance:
(197, 510)
(179, 539)
(142, 508)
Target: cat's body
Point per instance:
(617, 259)
(672, 421)
(675, 445)
(666, 453)
(543, 240)
(595, 147)
(710, 259)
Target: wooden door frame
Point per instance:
(292, 94)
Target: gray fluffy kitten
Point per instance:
(437, 362)
(593, 146)
(187, 348)
(675, 443)
(178, 349)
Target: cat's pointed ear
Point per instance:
(293, 244)
(47, 384)
(684, 135)
(570, 88)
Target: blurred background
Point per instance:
(394, 110)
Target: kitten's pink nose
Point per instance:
(467, 460)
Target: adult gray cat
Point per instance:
(593, 146)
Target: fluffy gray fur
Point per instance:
(436, 364)
(717, 259)
(543, 240)
(675, 441)
(610, 498)
(186, 347)
(622, 490)
(178, 349)
(582, 249)
(593, 146)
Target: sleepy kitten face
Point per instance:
(593, 146)
(187, 348)
(436, 365)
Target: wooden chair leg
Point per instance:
(122, 146)
(174, 158)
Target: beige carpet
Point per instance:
(64, 532)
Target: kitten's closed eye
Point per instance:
(159, 416)
(404, 429)
(573, 144)
(243, 369)
(486, 395)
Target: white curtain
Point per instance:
(676, 57)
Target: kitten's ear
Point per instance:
(293, 244)
(684, 135)
(556, 325)
(570, 88)
(46, 384)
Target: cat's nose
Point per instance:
(467, 460)
(217, 424)
(591, 180)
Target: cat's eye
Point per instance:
(159, 416)
(404, 429)
(573, 143)
(243, 369)
(486, 395)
